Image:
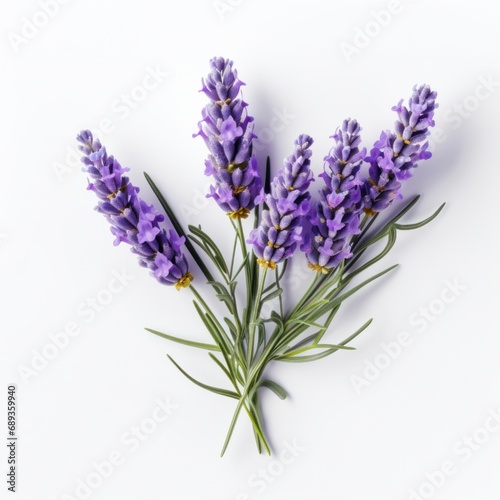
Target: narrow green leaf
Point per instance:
(341, 298)
(217, 255)
(178, 227)
(276, 388)
(404, 210)
(192, 343)
(328, 321)
(306, 323)
(231, 326)
(221, 342)
(311, 307)
(328, 352)
(223, 295)
(416, 225)
(261, 335)
(277, 319)
(383, 231)
(243, 264)
(222, 367)
(216, 390)
(267, 181)
(391, 240)
(272, 295)
(357, 332)
(283, 269)
(301, 343)
(306, 358)
(317, 346)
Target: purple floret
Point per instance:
(336, 216)
(227, 130)
(396, 154)
(280, 230)
(132, 220)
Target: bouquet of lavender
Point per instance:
(334, 230)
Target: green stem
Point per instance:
(306, 295)
(220, 328)
(253, 318)
(248, 273)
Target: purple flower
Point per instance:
(132, 220)
(280, 230)
(396, 153)
(336, 216)
(227, 130)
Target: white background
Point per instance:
(410, 417)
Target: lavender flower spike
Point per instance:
(132, 220)
(336, 216)
(227, 130)
(396, 153)
(289, 201)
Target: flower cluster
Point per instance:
(337, 214)
(289, 201)
(396, 153)
(244, 343)
(227, 130)
(132, 220)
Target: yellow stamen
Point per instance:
(232, 166)
(318, 268)
(221, 103)
(184, 282)
(114, 194)
(274, 245)
(406, 141)
(372, 182)
(368, 211)
(241, 213)
(266, 264)
(238, 189)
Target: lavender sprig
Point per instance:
(336, 216)
(396, 154)
(227, 130)
(132, 220)
(244, 343)
(279, 233)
